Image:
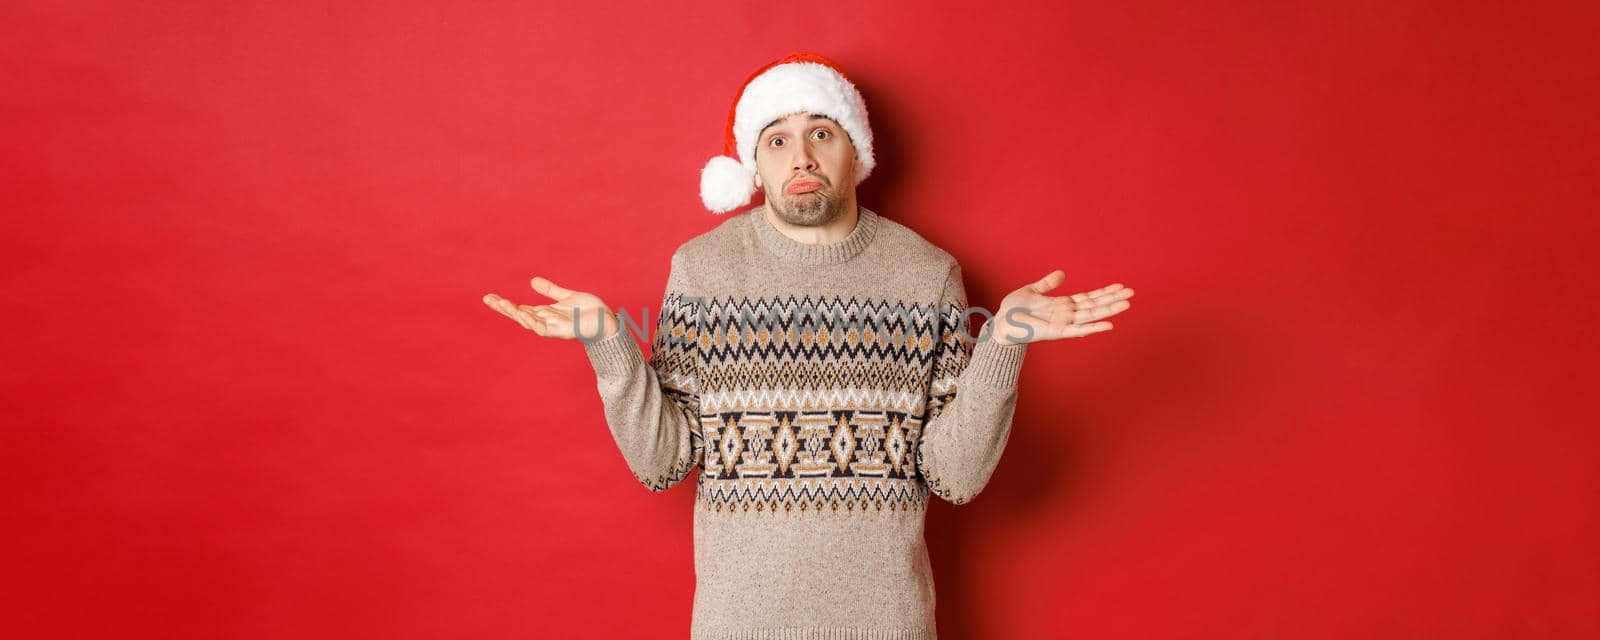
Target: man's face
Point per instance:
(806, 166)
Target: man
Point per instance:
(812, 359)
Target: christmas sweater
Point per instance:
(824, 393)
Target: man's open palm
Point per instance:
(1055, 317)
(555, 320)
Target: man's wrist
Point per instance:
(1002, 338)
(590, 326)
(609, 324)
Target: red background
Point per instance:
(251, 392)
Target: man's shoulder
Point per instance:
(715, 241)
(727, 233)
(711, 250)
(904, 244)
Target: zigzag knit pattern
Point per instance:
(801, 358)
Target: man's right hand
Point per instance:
(555, 320)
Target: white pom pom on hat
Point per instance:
(798, 82)
(725, 184)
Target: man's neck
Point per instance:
(829, 233)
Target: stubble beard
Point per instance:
(811, 209)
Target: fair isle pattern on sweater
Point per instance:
(824, 392)
(807, 452)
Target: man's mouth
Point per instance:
(803, 186)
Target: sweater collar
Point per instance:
(788, 248)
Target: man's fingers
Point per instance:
(1100, 311)
(1058, 330)
(499, 304)
(536, 314)
(1086, 329)
(1048, 282)
(1089, 297)
(1104, 295)
(1106, 290)
(546, 313)
(550, 289)
(493, 301)
(1112, 292)
(518, 315)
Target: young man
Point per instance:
(812, 360)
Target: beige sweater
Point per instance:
(818, 435)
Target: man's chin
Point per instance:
(809, 208)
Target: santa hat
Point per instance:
(797, 82)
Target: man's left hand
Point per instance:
(1055, 317)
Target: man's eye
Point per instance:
(775, 142)
(824, 133)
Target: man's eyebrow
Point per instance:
(813, 117)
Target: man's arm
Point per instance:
(653, 407)
(971, 400)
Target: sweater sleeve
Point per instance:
(653, 407)
(971, 399)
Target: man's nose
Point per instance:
(805, 158)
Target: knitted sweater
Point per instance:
(820, 434)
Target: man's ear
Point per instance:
(758, 181)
